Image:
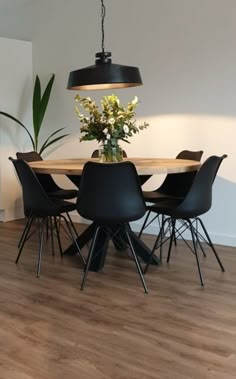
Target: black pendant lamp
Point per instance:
(104, 74)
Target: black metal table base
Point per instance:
(119, 240)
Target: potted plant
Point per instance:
(39, 107)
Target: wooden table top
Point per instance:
(144, 166)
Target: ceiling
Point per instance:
(16, 19)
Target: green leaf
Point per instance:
(45, 99)
(40, 105)
(51, 135)
(52, 142)
(23, 126)
(36, 107)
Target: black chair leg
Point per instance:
(196, 253)
(175, 239)
(27, 230)
(144, 224)
(199, 243)
(72, 225)
(41, 229)
(58, 237)
(172, 236)
(162, 235)
(136, 262)
(52, 232)
(71, 228)
(24, 231)
(211, 245)
(89, 259)
(156, 244)
(47, 222)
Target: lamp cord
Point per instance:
(103, 14)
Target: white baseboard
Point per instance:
(11, 214)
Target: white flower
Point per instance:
(135, 101)
(111, 121)
(105, 131)
(126, 128)
(108, 136)
(105, 142)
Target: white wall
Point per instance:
(15, 98)
(185, 51)
(16, 19)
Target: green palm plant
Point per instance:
(39, 107)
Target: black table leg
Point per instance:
(83, 239)
(101, 245)
(119, 240)
(141, 249)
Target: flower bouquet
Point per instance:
(112, 123)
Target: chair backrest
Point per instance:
(29, 156)
(199, 197)
(46, 180)
(179, 184)
(36, 200)
(110, 193)
(95, 154)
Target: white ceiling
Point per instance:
(16, 19)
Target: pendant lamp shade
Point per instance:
(104, 74)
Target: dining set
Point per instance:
(110, 197)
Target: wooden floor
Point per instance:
(51, 330)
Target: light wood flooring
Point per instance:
(49, 329)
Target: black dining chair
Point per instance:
(197, 202)
(175, 186)
(46, 180)
(38, 205)
(110, 195)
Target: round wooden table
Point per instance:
(146, 167)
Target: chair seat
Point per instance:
(155, 196)
(65, 206)
(168, 208)
(59, 206)
(46, 180)
(64, 194)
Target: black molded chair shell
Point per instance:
(46, 180)
(197, 202)
(110, 193)
(111, 196)
(199, 198)
(38, 205)
(36, 200)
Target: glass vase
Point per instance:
(111, 152)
